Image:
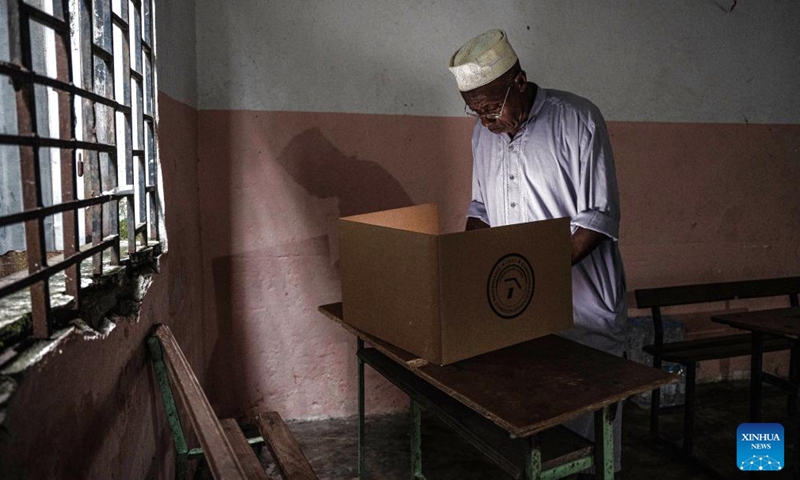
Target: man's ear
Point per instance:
(521, 80)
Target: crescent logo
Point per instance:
(511, 285)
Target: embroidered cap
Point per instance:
(482, 59)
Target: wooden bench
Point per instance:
(228, 452)
(689, 352)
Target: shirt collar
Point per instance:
(538, 101)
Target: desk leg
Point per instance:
(416, 441)
(533, 460)
(794, 418)
(688, 413)
(755, 377)
(791, 402)
(604, 444)
(362, 472)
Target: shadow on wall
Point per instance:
(266, 298)
(323, 171)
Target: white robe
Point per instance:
(560, 164)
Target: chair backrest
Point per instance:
(219, 452)
(171, 410)
(655, 298)
(717, 292)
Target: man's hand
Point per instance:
(474, 223)
(583, 242)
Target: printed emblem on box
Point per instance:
(511, 286)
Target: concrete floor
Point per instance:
(331, 445)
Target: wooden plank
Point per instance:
(219, 452)
(687, 346)
(684, 345)
(284, 448)
(784, 321)
(244, 451)
(720, 350)
(533, 386)
(715, 292)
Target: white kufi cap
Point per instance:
(482, 59)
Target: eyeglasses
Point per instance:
(490, 116)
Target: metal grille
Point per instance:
(78, 162)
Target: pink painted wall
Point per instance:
(92, 409)
(273, 186)
(705, 202)
(701, 203)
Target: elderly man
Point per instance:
(540, 154)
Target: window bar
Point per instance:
(95, 217)
(131, 225)
(44, 18)
(147, 23)
(112, 217)
(149, 120)
(119, 21)
(136, 80)
(123, 76)
(67, 125)
(91, 158)
(141, 190)
(37, 141)
(142, 229)
(59, 208)
(20, 49)
(109, 175)
(18, 74)
(16, 282)
(152, 189)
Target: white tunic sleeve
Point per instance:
(477, 207)
(598, 200)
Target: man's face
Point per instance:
(499, 104)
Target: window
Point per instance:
(79, 174)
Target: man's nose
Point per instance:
(486, 121)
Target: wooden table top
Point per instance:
(780, 321)
(531, 386)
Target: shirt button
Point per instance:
(513, 204)
(512, 177)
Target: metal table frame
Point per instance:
(603, 453)
(507, 405)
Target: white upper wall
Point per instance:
(676, 61)
(176, 42)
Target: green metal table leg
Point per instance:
(533, 459)
(362, 472)
(604, 443)
(416, 441)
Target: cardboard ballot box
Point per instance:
(447, 297)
